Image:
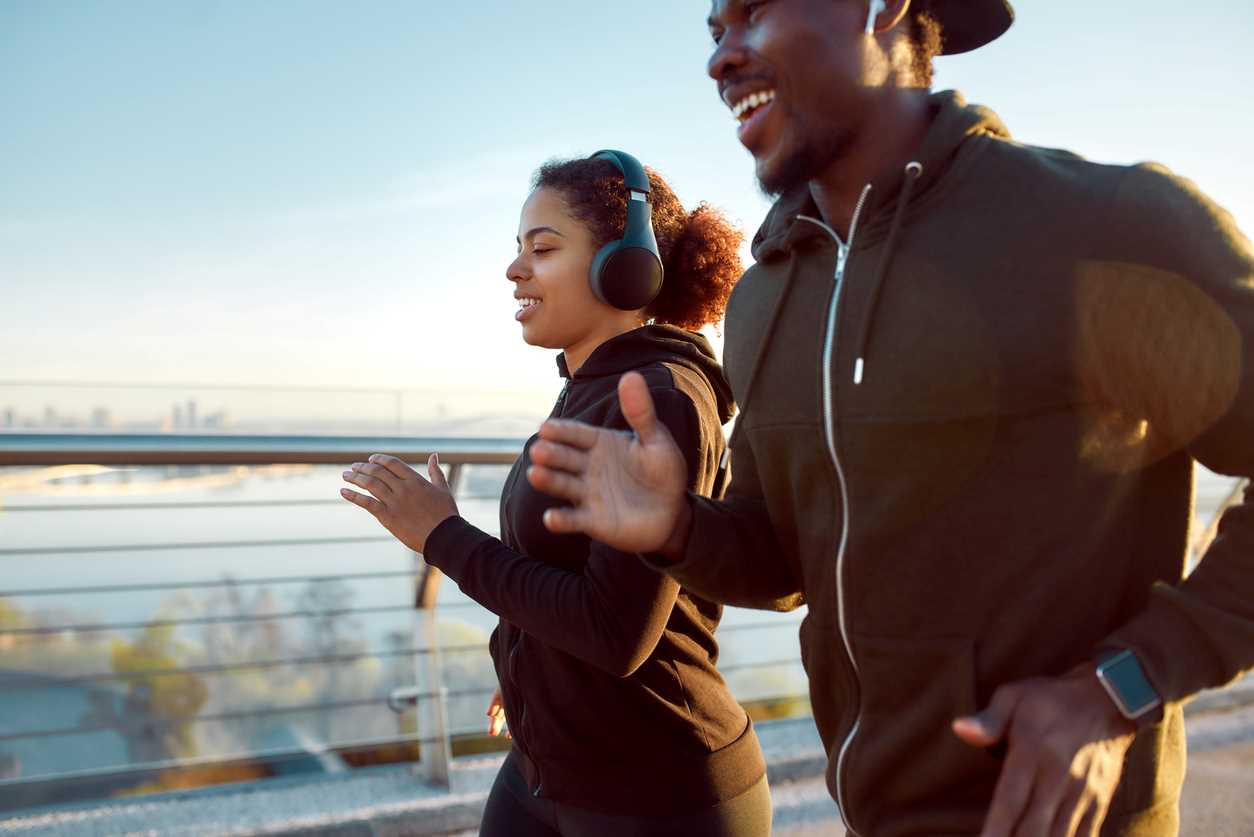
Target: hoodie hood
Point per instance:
(883, 207)
(953, 123)
(657, 344)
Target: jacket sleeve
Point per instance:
(733, 554)
(1178, 355)
(611, 615)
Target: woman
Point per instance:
(621, 723)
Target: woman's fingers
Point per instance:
(496, 714)
(367, 477)
(393, 466)
(435, 473)
(370, 504)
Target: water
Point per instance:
(108, 532)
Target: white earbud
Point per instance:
(873, 12)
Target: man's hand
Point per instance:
(1065, 747)
(626, 491)
(405, 503)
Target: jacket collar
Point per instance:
(953, 123)
(655, 344)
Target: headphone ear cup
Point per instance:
(627, 274)
(626, 277)
(596, 273)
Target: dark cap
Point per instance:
(968, 24)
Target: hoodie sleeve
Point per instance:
(1176, 353)
(733, 554)
(611, 615)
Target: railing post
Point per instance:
(432, 715)
(432, 704)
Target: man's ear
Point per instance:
(883, 15)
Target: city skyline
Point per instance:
(394, 411)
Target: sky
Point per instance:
(322, 194)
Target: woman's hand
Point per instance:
(407, 505)
(496, 712)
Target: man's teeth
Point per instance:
(527, 302)
(741, 109)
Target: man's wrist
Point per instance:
(1098, 701)
(677, 543)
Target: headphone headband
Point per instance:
(627, 273)
(632, 171)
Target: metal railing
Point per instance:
(151, 703)
(46, 479)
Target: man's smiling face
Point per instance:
(792, 73)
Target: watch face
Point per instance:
(1128, 685)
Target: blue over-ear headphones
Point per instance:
(627, 273)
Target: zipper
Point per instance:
(517, 731)
(829, 427)
(561, 399)
(519, 736)
(513, 675)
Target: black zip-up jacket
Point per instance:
(968, 443)
(607, 668)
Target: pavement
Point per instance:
(1218, 797)
(1217, 800)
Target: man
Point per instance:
(973, 376)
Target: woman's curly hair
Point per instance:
(699, 249)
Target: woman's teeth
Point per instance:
(525, 304)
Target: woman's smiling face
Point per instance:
(557, 308)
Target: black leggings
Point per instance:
(513, 812)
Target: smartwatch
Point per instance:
(1121, 676)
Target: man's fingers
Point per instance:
(986, 728)
(395, 467)
(573, 433)
(556, 483)
(1042, 809)
(370, 504)
(368, 481)
(1011, 797)
(1018, 773)
(559, 457)
(1090, 821)
(565, 520)
(637, 406)
(972, 730)
(1075, 808)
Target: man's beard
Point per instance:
(804, 164)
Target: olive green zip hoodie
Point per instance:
(967, 445)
